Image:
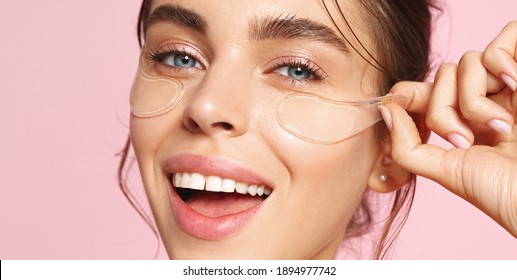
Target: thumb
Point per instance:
(485, 183)
(407, 148)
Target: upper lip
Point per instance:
(214, 166)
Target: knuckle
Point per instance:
(468, 111)
(489, 54)
(446, 68)
(398, 87)
(469, 56)
(440, 120)
(492, 50)
(512, 25)
(402, 87)
(433, 120)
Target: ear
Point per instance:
(386, 175)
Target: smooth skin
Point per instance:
(228, 112)
(318, 188)
(461, 106)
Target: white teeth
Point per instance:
(177, 180)
(252, 190)
(260, 190)
(228, 186)
(197, 181)
(241, 188)
(213, 184)
(185, 180)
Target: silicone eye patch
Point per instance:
(304, 115)
(324, 121)
(152, 96)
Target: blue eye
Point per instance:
(295, 72)
(298, 73)
(181, 61)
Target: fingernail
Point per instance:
(386, 115)
(387, 160)
(500, 126)
(457, 140)
(509, 82)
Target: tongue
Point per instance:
(215, 204)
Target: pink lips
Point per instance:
(196, 224)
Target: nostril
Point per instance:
(192, 124)
(225, 125)
(196, 127)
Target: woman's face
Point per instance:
(236, 59)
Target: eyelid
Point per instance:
(175, 48)
(315, 69)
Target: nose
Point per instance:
(218, 105)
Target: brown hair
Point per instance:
(402, 31)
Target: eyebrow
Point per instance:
(269, 28)
(177, 15)
(290, 27)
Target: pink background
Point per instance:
(66, 69)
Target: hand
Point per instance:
(474, 106)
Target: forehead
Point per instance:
(244, 6)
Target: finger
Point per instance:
(417, 93)
(500, 56)
(444, 167)
(425, 160)
(407, 148)
(443, 117)
(474, 82)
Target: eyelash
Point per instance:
(316, 72)
(158, 55)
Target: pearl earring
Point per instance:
(383, 178)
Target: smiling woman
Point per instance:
(221, 173)
(255, 123)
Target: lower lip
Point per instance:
(209, 228)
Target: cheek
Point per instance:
(334, 177)
(324, 175)
(325, 187)
(147, 137)
(148, 134)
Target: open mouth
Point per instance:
(214, 196)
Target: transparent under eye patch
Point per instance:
(324, 121)
(307, 116)
(152, 96)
